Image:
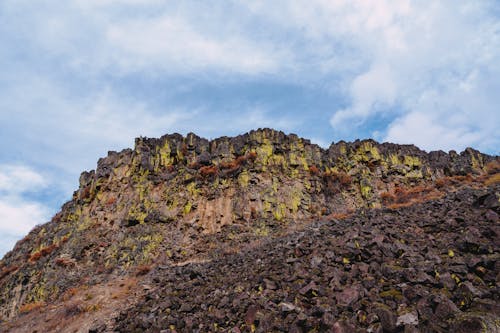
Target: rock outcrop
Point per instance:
(176, 202)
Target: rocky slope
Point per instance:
(177, 229)
(431, 267)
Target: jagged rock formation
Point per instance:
(180, 201)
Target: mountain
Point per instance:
(265, 232)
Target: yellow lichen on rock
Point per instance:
(280, 212)
(295, 200)
(244, 179)
(394, 159)
(366, 190)
(412, 161)
(187, 208)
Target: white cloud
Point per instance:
(405, 60)
(234, 122)
(79, 129)
(109, 120)
(371, 92)
(130, 36)
(106, 3)
(440, 78)
(255, 117)
(320, 142)
(424, 131)
(18, 215)
(171, 44)
(18, 179)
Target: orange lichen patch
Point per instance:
(344, 178)
(31, 307)
(233, 249)
(455, 180)
(493, 179)
(64, 262)
(463, 179)
(314, 170)
(492, 167)
(35, 256)
(68, 294)
(336, 181)
(253, 212)
(403, 197)
(442, 182)
(232, 165)
(252, 156)
(340, 177)
(387, 197)
(208, 171)
(238, 162)
(7, 270)
(194, 165)
(111, 201)
(142, 270)
(42, 252)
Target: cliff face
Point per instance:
(167, 200)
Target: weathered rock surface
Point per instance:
(342, 295)
(264, 232)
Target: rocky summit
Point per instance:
(265, 232)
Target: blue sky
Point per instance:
(81, 77)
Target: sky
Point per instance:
(81, 77)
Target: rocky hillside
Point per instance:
(263, 232)
(429, 267)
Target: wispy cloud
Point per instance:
(128, 36)
(428, 66)
(18, 214)
(171, 44)
(401, 61)
(17, 179)
(83, 127)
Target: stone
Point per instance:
(270, 284)
(410, 318)
(387, 319)
(251, 315)
(286, 307)
(491, 216)
(445, 308)
(342, 327)
(467, 290)
(447, 281)
(311, 286)
(475, 323)
(348, 296)
(411, 329)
